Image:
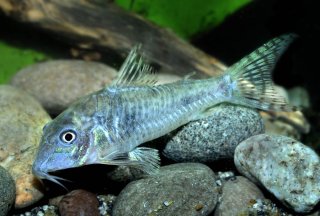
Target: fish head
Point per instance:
(63, 145)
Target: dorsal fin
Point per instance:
(134, 71)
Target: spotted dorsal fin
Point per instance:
(134, 71)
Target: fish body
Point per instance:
(107, 126)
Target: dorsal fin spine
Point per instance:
(134, 71)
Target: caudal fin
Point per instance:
(252, 75)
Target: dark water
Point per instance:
(261, 20)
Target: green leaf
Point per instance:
(185, 17)
(14, 58)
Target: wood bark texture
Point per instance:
(101, 25)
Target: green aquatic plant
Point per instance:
(14, 58)
(186, 18)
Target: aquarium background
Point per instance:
(225, 29)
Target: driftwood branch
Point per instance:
(102, 25)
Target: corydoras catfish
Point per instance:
(107, 126)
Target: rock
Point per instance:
(223, 177)
(282, 92)
(56, 84)
(299, 97)
(54, 201)
(125, 174)
(260, 207)
(178, 189)
(237, 196)
(284, 166)
(21, 121)
(79, 202)
(296, 119)
(293, 119)
(216, 136)
(278, 127)
(106, 203)
(45, 210)
(7, 191)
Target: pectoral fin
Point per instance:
(148, 159)
(143, 158)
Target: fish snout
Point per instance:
(38, 171)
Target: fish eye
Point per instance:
(68, 136)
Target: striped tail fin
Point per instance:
(252, 76)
